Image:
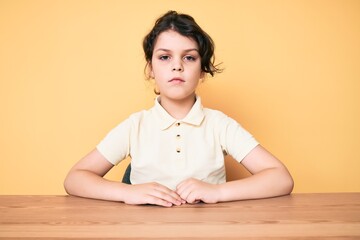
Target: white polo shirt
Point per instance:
(168, 151)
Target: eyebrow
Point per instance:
(168, 50)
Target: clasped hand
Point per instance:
(188, 191)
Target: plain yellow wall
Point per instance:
(72, 70)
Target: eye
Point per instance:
(164, 57)
(189, 58)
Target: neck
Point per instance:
(178, 109)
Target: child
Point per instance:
(177, 147)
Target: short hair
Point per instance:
(185, 25)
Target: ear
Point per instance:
(150, 70)
(202, 75)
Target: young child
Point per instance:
(177, 147)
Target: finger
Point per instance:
(167, 194)
(170, 192)
(167, 197)
(182, 185)
(193, 198)
(186, 187)
(157, 201)
(184, 193)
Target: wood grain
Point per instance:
(298, 216)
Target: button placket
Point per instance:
(178, 141)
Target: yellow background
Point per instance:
(72, 70)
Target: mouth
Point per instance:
(177, 80)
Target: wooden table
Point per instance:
(298, 216)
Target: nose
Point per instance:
(177, 69)
(177, 66)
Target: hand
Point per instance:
(151, 193)
(193, 191)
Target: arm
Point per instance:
(270, 178)
(85, 179)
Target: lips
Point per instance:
(177, 80)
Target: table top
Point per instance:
(298, 216)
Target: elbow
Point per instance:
(290, 187)
(284, 183)
(288, 184)
(67, 185)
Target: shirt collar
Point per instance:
(165, 120)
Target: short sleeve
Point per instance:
(235, 140)
(115, 146)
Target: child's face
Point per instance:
(176, 65)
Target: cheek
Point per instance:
(156, 72)
(156, 68)
(200, 73)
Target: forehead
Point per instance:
(173, 40)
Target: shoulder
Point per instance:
(214, 115)
(220, 120)
(132, 120)
(142, 115)
(137, 116)
(142, 119)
